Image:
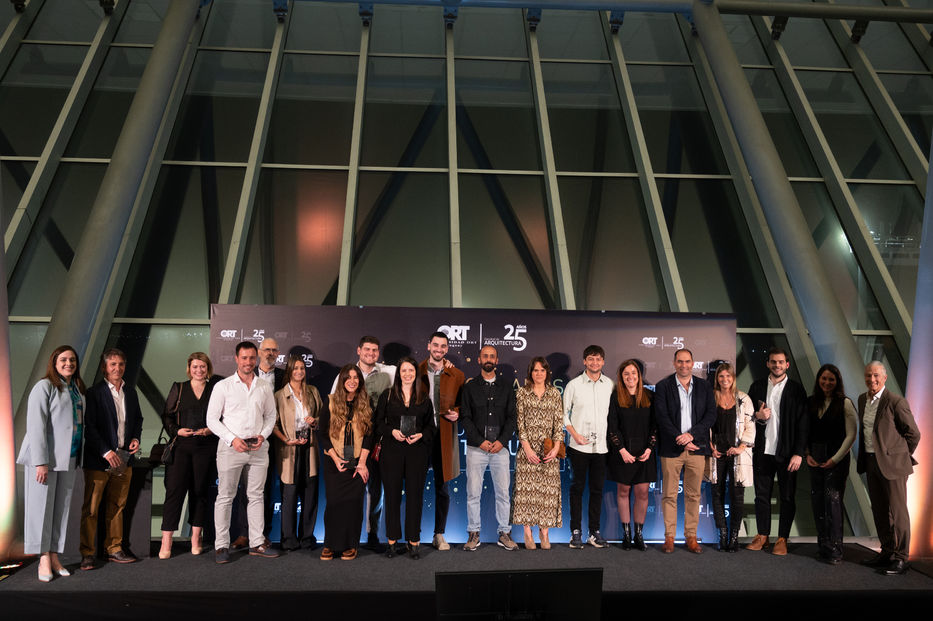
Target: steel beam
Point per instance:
(453, 181)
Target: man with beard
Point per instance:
(442, 382)
(489, 420)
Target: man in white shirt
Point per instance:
(241, 414)
(377, 377)
(586, 416)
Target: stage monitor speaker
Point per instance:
(573, 594)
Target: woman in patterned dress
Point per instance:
(536, 499)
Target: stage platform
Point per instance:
(710, 585)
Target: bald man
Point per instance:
(887, 441)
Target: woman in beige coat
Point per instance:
(732, 437)
(298, 406)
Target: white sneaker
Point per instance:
(440, 543)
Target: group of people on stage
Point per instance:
(382, 426)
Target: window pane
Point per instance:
(652, 37)
(32, 93)
(312, 117)
(785, 132)
(25, 341)
(218, 112)
(183, 245)
(155, 357)
(66, 20)
(505, 249)
(850, 288)
(240, 23)
(612, 254)
(717, 261)
(913, 97)
(405, 116)
(887, 48)
(490, 32)
(293, 255)
(884, 349)
(14, 177)
(142, 22)
(496, 120)
(43, 265)
(100, 123)
(894, 215)
(678, 130)
(407, 30)
(571, 34)
(745, 40)
(401, 253)
(587, 127)
(808, 43)
(752, 357)
(324, 26)
(840, 107)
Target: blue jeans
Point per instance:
(477, 460)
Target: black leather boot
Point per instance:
(639, 542)
(723, 539)
(734, 540)
(626, 536)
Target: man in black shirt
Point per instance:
(487, 414)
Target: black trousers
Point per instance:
(827, 486)
(441, 491)
(725, 479)
(194, 468)
(583, 465)
(403, 465)
(374, 489)
(765, 467)
(297, 531)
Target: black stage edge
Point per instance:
(712, 585)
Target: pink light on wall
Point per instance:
(7, 465)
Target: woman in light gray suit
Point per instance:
(50, 452)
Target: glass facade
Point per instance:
(433, 105)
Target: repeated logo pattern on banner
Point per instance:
(326, 338)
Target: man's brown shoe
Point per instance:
(694, 546)
(668, 545)
(240, 542)
(780, 547)
(760, 542)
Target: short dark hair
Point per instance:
(369, 339)
(774, 351)
(246, 345)
(438, 335)
(594, 350)
(111, 352)
(682, 349)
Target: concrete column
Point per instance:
(824, 318)
(83, 292)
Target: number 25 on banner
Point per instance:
(514, 333)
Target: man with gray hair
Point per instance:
(889, 436)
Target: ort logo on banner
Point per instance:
(228, 334)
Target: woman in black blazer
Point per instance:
(405, 424)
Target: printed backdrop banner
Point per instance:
(326, 338)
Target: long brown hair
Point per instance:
(419, 394)
(641, 400)
(362, 410)
(717, 391)
(531, 367)
(51, 373)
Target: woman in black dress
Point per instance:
(632, 433)
(833, 423)
(405, 422)
(185, 419)
(345, 433)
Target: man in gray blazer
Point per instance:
(889, 436)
